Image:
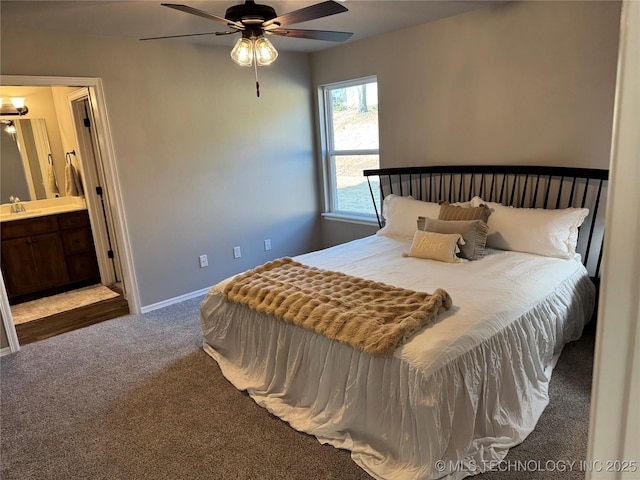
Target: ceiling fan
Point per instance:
(254, 21)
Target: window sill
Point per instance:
(359, 219)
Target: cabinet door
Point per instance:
(83, 267)
(50, 261)
(19, 267)
(77, 240)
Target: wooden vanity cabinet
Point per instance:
(33, 263)
(48, 254)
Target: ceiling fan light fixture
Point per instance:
(247, 49)
(253, 21)
(242, 52)
(265, 52)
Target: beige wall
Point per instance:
(203, 164)
(519, 83)
(64, 127)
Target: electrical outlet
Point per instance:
(204, 261)
(267, 244)
(237, 253)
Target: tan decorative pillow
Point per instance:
(453, 212)
(436, 246)
(474, 233)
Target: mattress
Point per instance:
(453, 399)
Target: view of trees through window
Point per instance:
(353, 141)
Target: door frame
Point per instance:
(88, 154)
(107, 157)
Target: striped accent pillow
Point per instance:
(453, 212)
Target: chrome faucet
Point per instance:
(16, 205)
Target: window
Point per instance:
(351, 133)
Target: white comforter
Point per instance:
(453, 399)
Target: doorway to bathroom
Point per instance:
(86, 145)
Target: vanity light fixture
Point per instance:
(17, 107)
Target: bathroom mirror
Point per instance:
(24, 161)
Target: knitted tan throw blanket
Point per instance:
(371, 316)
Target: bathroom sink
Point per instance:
(38, 208)
(38, 212)
(15, 216)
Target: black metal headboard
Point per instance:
(518, 186)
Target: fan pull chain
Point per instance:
(255, 67)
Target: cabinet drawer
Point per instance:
(28, 227)
(73, 219)
(78, 240)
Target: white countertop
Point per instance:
(39, 208)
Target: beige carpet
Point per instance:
(44, 307)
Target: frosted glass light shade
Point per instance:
(18, 102)
(265, 52)
(242, 52)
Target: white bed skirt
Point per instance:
(450, 415)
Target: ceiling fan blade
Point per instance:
(188, 35)
(319, 10)
(312, 34)
(203, 14)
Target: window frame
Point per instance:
(329, 155)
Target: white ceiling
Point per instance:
(146, 18)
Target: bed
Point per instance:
(459, 391)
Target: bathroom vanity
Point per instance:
(47, 251)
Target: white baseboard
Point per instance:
(5, 351)
(174, 300)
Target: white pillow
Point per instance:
(401, 214)
(552, 233)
